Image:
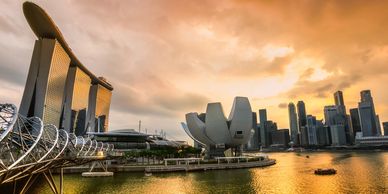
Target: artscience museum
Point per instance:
(216, 132)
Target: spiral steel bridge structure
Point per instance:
(28, 147)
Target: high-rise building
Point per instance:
(336, 121)
(323, 134)
(339, 102)
(311, 130)
(385, 126)
(367, 114)
(355, 119)
(302, 122)
(43, 93)
(99, 105)
(378, 126)
(339, 98)
(270, 126)
(293, 123)
(254, 142)
(76, 101)
(263, 127)
(331, 115)
(304, 136)
(367, 120)
(337, 135)
(280, 137)
(58, 88)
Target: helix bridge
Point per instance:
(29, 148)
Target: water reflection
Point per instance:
(293, 173)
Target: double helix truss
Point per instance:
(29, 147)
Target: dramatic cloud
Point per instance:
(283, 105)
(166, 58)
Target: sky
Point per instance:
(166, 58)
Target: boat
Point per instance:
(327, 171)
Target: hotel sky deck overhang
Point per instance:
(44, 27)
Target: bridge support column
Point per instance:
(61, 182)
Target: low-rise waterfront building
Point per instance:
(371, 140)
(129, 139)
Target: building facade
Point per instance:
(323, 134)
(355, 120)
(76, 101)
(340, 103)
(336, 121)
(43, 94)
(218, 133)
(254, 142)
(338, 136)
(385, 127)
(99, 104)
(302, 122)
(280, 138)
(368, 121)
(311, 130)
(293, 120)
(263, 128)
(58, 87)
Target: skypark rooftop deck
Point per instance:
(44, 27)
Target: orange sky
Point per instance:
(166, 58)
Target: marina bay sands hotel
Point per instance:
(60, 89)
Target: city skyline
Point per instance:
(164, 64)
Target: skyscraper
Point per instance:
(338, 98)
(335, 120)
(254, 142)
(270, 127)
(331, 115)
(337, 135)
(76, 101)
(99, 105)
(280, 137)
(302, 122)
(323, 134)
(355, 118)
(293, 123)
(311, 130)
(340, 103)
(367, 114)
(58, 87)
(263, 127)
(43, 94)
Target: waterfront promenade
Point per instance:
(205, 167)
(175, 168)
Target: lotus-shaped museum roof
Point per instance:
(213, 128)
